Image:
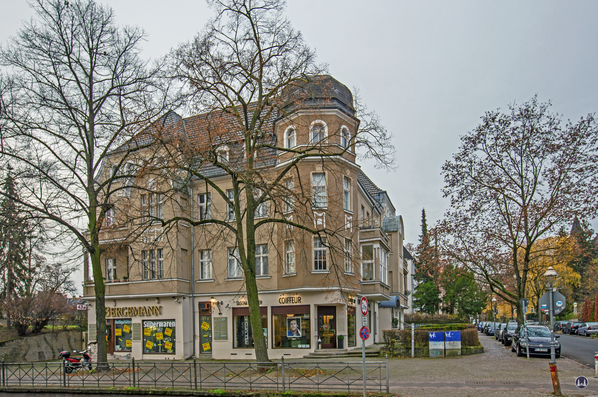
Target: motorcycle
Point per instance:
(76, 363)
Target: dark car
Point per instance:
(559, 325)
(508, 332)
(571, 327)
(536, 338)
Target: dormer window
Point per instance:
(345, 137)
(223, 154)
(290, 138)
(318, 131)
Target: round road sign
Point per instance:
(364, 333)
(363, 302)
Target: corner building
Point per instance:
(179, 292)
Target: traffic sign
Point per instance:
(524, 303)
(558, 302)
(364, 333)
(363, 302)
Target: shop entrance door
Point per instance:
(327, 326)
(205, 327)
(110, 336)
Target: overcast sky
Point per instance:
(430, 69)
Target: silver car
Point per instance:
(587, 329)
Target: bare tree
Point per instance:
(518, 177)
(77, 90)
(248, 69)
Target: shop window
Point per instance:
(291, 327)
(367, 262)
(123, 337)
(351, 321)
(242, 327)
(159, 336)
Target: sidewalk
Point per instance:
(497, 372)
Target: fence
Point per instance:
(280, 376)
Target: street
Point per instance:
(579, 348)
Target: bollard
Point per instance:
(412, 340)
(595, 364)
(133, 370)
(284, 389)
(556, 385)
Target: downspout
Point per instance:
(192, 272)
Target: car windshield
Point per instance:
(538, 332)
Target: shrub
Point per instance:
(423, 318)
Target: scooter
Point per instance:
(76, 363)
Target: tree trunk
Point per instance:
(100, 294)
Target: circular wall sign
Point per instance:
(363, 302)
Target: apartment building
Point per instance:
(178, 290)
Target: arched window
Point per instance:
(223, 153)
(290, 138)
(345, 137)
(318, 131)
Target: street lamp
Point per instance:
(494, 313)
(550, 277)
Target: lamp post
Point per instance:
(550, 277)
(494, 313)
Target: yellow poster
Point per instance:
(149, 344)
(126, 328)
(205, 326)
(159, 336)
(168, 345)
(147, 331)
(129, 343)
(206, 346)
(118, 332)
(168, 331)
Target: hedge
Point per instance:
(397, 341)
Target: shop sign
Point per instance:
(242, 301)
(289, 300)
(133, 311)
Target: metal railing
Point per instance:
(199, 375)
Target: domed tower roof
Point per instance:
(322, 92)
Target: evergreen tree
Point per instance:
(14, 233)
(462, 295)
(426, 296)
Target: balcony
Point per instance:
(373, 233)
(375, 290)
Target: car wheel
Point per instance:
(519, 353)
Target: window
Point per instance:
(383, 266)
(110, 269)
(261, 211)
(362, 215)
(347, 194)
(144, 208)
(367, 262)
(345, 137)
(261, 260)
(151, 207)
(160, 255)
(123, 336)
(242, 327)
(290, 138)
(159, 336)
(291, 327)
(204, 204)
(159, 214)
(318, 186)
(318, 131)
(289, 257)
(109, 218)
(289, 200)
(234, 264)
(222, 154)
(148, 261)
(230, 209)
(320, 254)
(205, 265)
(348, 259)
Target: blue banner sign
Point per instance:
(452, 343)
(436, 344)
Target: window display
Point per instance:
(291, 327)
(351, 326)
(123, 338)
(159, 336)
(242, 326)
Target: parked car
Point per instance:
(536, 338)
(586, 329)
(571, 327)
(498, 330)
(508, 332)
(559, 325)
(490, 329)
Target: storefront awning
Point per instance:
(393, 302)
